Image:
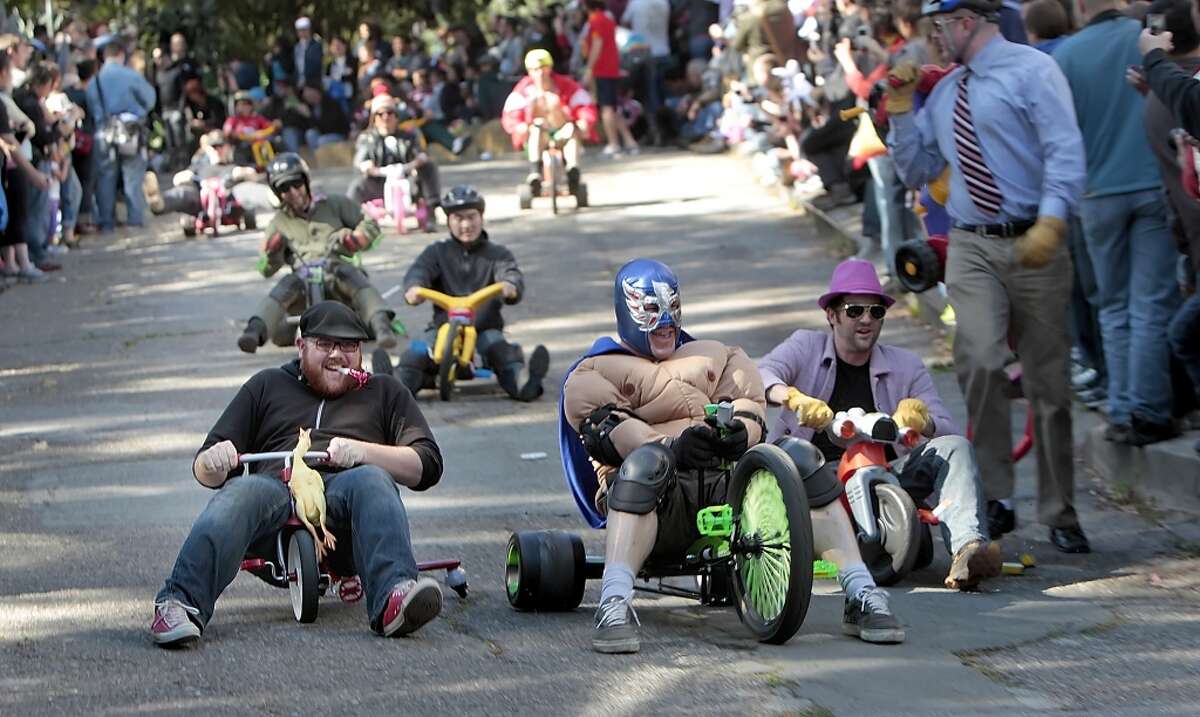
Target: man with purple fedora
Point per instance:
(815, 374)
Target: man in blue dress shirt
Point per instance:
(1004, 122)
(115, 91)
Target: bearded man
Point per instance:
(377, 440)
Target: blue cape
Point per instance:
(577, 467)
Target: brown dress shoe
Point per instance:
(974, 562)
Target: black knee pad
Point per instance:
(645, 475)
(820, 478)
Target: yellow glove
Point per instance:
(901, 83)
(812, 412)
(1037, 246)
(912, 413)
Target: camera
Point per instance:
(1156, 23)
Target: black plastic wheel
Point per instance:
(381, 362)
(925, 549)
(917, 266)
(446, 372)
(304, 576)
(900, 538)
(188, 225)
(525, 196)
(545, 570)
(581, 196)
(772, 585)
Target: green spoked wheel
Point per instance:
(772, 544)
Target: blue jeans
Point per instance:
(316, 139)
(894, 224)
(293, 138)
(1085, 321)
(944, 471)
(37, 221)
(364, 512)
(133, 170)
(1133, 257)
(70, 198)
(1183, 333)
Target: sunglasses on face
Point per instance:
(854, 311)
(289, 186)
(326, 345)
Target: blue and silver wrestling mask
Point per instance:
(646, 297)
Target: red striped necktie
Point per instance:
(981, 185)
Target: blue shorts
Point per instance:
(606, 91)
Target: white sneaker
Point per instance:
(611, 152)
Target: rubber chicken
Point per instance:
(308, 490)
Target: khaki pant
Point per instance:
(994, 297)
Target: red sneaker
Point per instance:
(172, 626)
(411, 604)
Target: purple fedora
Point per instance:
(854, 276)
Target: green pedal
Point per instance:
(715, 521)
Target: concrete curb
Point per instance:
(1165, 474)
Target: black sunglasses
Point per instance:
(290, 185)
(854, 311)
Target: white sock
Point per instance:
(618, 581)
(854, 578)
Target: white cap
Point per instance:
(303, 23)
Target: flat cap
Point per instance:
(333, 320)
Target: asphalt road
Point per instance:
(111, 375)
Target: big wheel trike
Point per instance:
(757, 545)
(891, 536)
(553, 182)
(294, 564)
(453, 351)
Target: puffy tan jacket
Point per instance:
(667, 396)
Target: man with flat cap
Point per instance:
(377, 440)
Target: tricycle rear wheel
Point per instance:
(545, 570)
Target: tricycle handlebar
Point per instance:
(280, 455)
(856, 426)
(472, 301)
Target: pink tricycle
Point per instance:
(295, 566)
(398, 199)
(218, 208)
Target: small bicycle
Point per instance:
(295, 566)
(553, 182)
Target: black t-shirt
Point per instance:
(851, 389)
(270, 409)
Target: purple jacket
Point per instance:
(807, 361)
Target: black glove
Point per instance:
(734, 442)
(696, 447)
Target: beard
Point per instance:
(322, 377)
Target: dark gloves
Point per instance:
(696, 447)
(735, 442)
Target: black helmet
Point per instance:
(460, 197)
(938, 7)
(284, 169)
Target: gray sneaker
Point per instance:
(32, 275)
(869, 618)
(616, 630)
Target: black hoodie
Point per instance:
(458, 269)
(270, 409)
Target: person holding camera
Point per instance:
(119, 99)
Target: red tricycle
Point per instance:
(295, 566)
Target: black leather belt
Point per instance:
(1007, 230)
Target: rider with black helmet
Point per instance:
(464, 263)
(311, 226)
